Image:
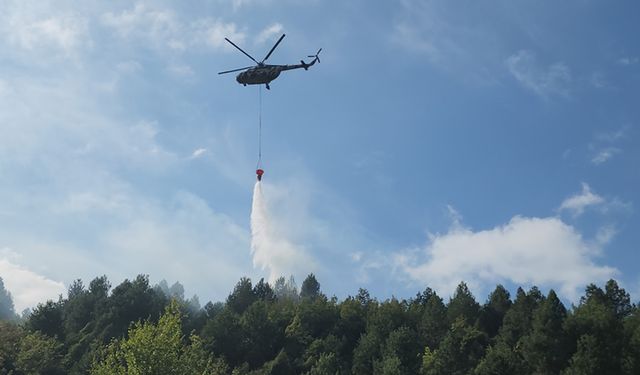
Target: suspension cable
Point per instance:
(259, 126)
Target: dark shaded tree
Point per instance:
(459, 352)
(432, 324)
(263, 291)
(597, 325)
(47, 318)
(7, 311)
(40, 354)
(310, 288)
(500, 359)
(493, 312)
(463, 305)
(517, 321)
(11, 336)
(545, 348)
(242, 296)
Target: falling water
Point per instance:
(270, 249)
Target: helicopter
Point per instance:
(264, 73)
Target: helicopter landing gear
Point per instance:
(268, 88)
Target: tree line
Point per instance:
(136, 328)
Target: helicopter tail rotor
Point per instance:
(316, 55)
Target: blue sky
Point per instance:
(437, 141)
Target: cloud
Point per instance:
(607, 144)
(45, 28)
(604, 155)
(27, 288)
(527, 251)
(198, 153)
(577, 203)
(141, 20)
(87, 192)
(215, 32)
(165, 29)
(552, 80)
(182, 71)
(450, 40)
(269, 32)
(628, 60)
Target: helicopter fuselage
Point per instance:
(266, 73)
(259, 75)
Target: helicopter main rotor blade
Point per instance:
(235, 70)
(241, 50)
(274, 47)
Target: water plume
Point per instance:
(270, 249)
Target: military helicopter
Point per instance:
(264, 73)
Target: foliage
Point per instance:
(157, 349)
(136, 328)
(7, 311)
(11, 336)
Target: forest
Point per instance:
(138, 328)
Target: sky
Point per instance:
(436, 141)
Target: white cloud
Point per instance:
(87, 193)
(626, 61)
(215, 31)
(45, 29)
(165, 29)
(183, 71)
(198, 153)
(607, 144)
(527, 251)
(145, 21)
(27, 287)
(604, 155)
(269, 33)
(434, 30)
(577, 203)
(613, 135)
(129, 67)
(552, 80)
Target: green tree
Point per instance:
(260, 335)
(366, 353)
(350, 326)
(597, 325)
(310, 288)
(242, 296)
(401, 352)
(517, 320)
(493, 312)
(286, 290)
(631, 353)
(587, 359)
(327, 364)
(158, 348)
(10, 338)
(459, 352)
(47, 318)
(463, 304)
(501, 359)
(224, 337)
(129, 302)
(40, 354)
(263, 291)
(7, 311)
(545, 349)
(432, 323)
